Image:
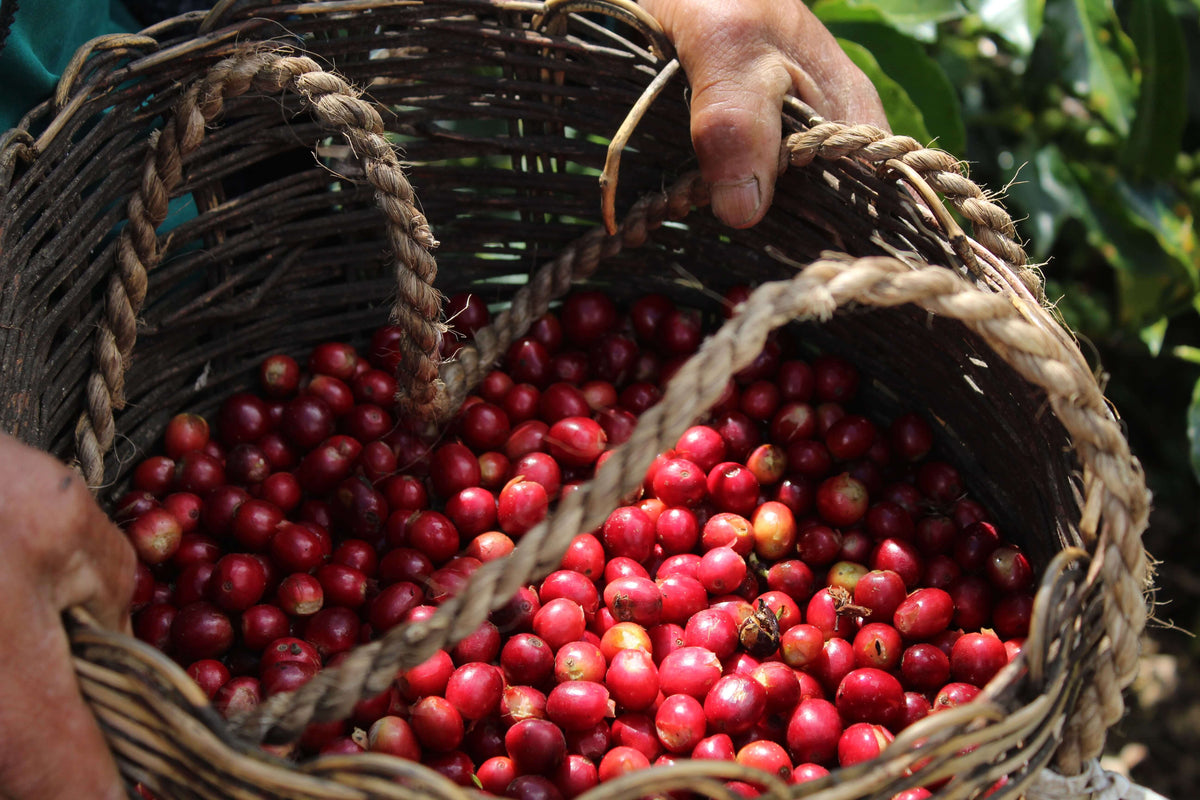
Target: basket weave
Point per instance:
(113, 321)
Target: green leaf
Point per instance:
(903, 114)
(904, 60)
(1186, 353)
(1047, 193)
(1161, 113)
(1193, 430)
(1142, 230)
(1153, 335)
(1090, 47)
(916, 18)
(1018, 22)
(1147, 235)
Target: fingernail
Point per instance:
(736, 203)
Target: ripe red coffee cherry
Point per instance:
(184, 433)
(878, 645)
(679, 482)
(198, 472)
(242, 418)
(689, 670)
(721, 570)
(437, 724)
(727, 529)
(632, 678)
(911, 437)
(701, 445)
(677, 530)
(976, 658)
(634, 599)
(952, 695)
(559, 621)
(732, 487)
(307, 421)
(536, 746)
(842, 500)
(813, 732)
(564, 398)
(374, 386)
(521, 505)
(850, 437)
(1008, 569)
(330, 463)
(628, 532)
(797, 493)
(680, 723)
(576, 441)
(474, 690)
(335, 359)
(868, 694)
(238, 581)
(155, 535)
(834, 379)
(586, 316)
(862, 741)
(452, 468)
(573, 586)
(923, 614)
(939, 481)
(200, 630)
(881, 591)
(332, 630)
(577, 705)
(713, 629)
(679, 333)
(735, 704)
(279, 376)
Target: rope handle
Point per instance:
(1113, 484)
(271, 69)
(1039, 352)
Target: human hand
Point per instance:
(60, 550)
(742, 57)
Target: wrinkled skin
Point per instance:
(59, 550)
(741, 58)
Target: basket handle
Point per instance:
(336, 104)
(1041, 352)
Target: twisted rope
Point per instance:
(991, 224)
(336, 104)
(1035, 351)
(1039, 352)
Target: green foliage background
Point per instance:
(1085, 116)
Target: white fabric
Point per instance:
(1094, 783)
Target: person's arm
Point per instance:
(59, 550)
(742, 57)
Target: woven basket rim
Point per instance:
(828, 140)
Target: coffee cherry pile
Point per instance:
(792, 584)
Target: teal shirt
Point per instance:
(42, 40)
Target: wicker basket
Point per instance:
(122, 308)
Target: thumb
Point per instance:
(736, 131)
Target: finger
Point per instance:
(99, 574)
(736, 130)
(825, 77)
(738, 82)
(59, 539)
(41, 705)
